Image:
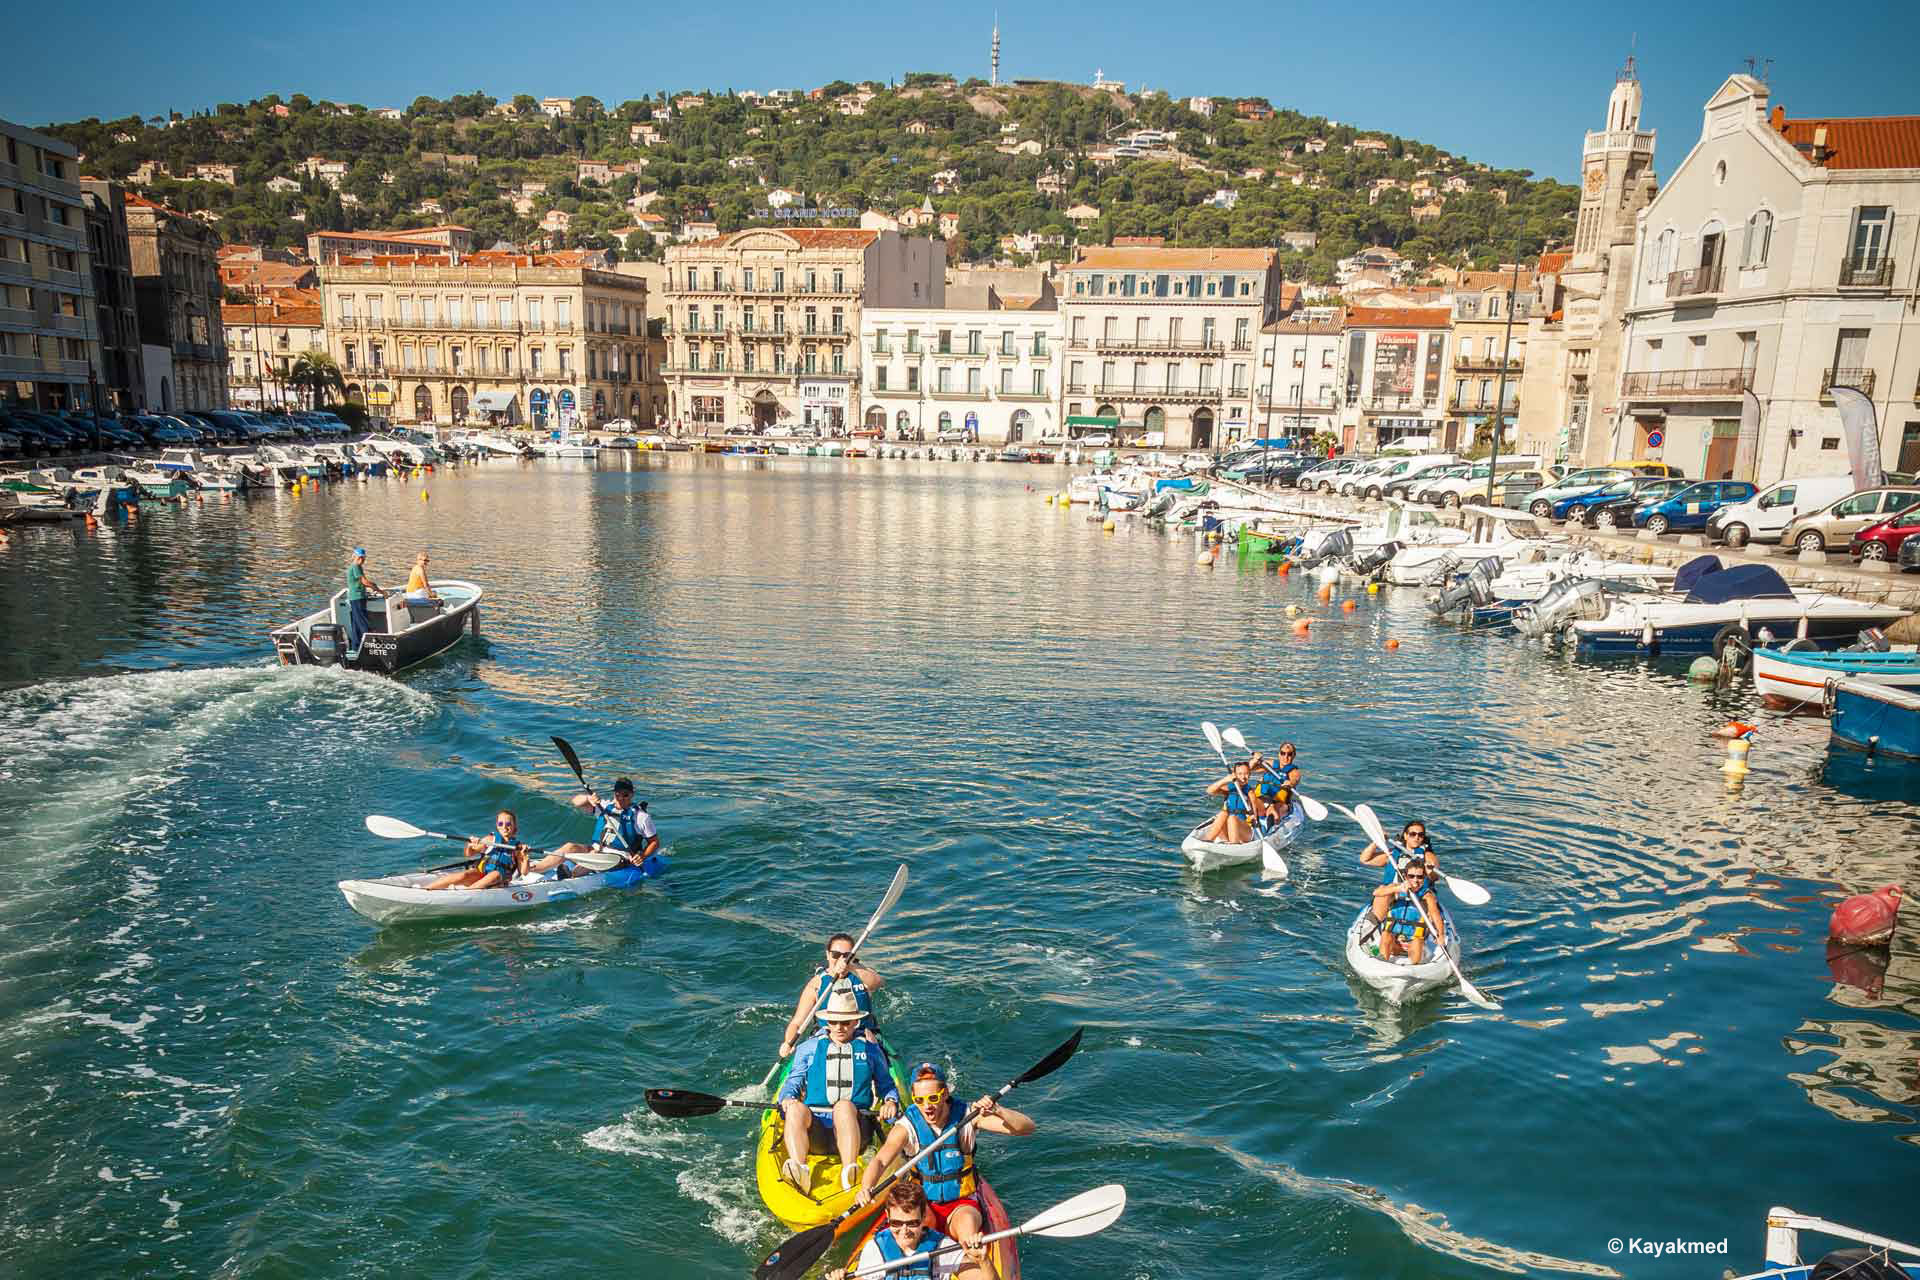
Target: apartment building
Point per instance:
(176, 283)
(49, 346)
(1567, 404)
(1395, 369)
(326, 248)
(985, 365)
(264, 339)
(528, 338)
(1163, 340)
(1781, 260)
(1300, 378)
(122, 380)
(1490, 314)
(764, 324)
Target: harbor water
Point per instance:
(817, 670)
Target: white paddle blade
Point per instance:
(1084, 1215)
(1364, 815)
(392, 828)
(598, 860)
(1315, 810)
(1213, 735)
(894, 890)
(1467, 891)
(1235, 738)
(1272, 863)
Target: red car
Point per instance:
(1882, 541)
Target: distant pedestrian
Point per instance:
(358, 624)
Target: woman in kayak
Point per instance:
(905, 1234)
(1273, 786)
(1398, 906)
(844, 972)
(947, 1174)
(835, 1082)
(500, 857)
(1413, 840)
(1232, 825)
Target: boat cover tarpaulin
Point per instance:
(1741, 582)
(1694, 570)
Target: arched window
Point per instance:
(1759, 239)
(422, 404)
(356, 395)
(946, 421)
(1017, 426)
(1660, 263)
(457, 402)
(1106, 411)
(901, 422)
(877, 419)
(1155, 418)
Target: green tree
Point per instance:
(316, 373)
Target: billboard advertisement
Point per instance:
(1395, 358)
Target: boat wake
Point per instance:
(700, 1173)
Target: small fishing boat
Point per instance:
(568, 446)
(405, 899)
(13, 510)
(1876, 718)
(1003, 1256)
(1721, 604)
(1783, 1251)
(824, 1199)
(1797, 673)
(1211, 855)
(401, 634)
(1399, 980)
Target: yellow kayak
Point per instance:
(824, 1199)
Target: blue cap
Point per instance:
(359, 551)
(933, 1069)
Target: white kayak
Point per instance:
(1399, 980)
(404, 898)
(1210, 855)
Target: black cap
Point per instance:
(623, 784)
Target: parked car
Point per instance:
(1836, 523)
(1324, 476)
(953, 435)
(1886, 540)
(1612, 506)
(1096, 440)
(1910, 555)
(1646, 467)
(1350, 483)
(621, 442)
(738, 431)
(10, 443)
(1541, 503)
(1272, 469)
(1690, 507)
(1402, 485)
(1769, 512)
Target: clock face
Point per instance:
(1596, 178)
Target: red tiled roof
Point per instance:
(269, 313)
(1554, 263)
(264, 275)
(141, 202)
(1860, 142)
(1399, 317)
(1477, 280)
(1143, 259)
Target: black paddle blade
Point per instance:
(1053, 1061)
(684, 1104)
(573, 761)
(791, 1260)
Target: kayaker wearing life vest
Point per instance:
(624, 828)
(1233, 824)
(832, 1087)
(844, 972)
(905, 1234)
(947, 1174)
(1403, 926)
(1273, 785)
(501, 857)
(1414, 840)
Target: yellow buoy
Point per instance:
(1373, 588)
(1107, 526)
(1293, 610)
(1737, 756)
(1049, 499)
(423, 495)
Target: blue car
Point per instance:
(1689, 508)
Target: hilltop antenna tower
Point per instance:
(996, 49)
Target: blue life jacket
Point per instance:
(861, 997)
(1272, 781)
(848, 1071)
(499, 858)
(947, 1174)
(1236, 800)
(1405, 916)
(891, 1251)
(620, 828)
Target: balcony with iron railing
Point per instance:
(1866, 273)
(1483, 404)
(1202, 347)
(1725, 384)
(1694, 282)
(1860, 380)
(1148, 393)
(1393, 402)
(1487, 364)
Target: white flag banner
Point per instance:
(1862, 429)
(1746, 458)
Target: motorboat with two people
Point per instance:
(405, 630)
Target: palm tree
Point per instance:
(316, 373)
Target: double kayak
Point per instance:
(825, 1198)
(1399, 980)
(1002, 1255)
(1210, 855)
(405, 898)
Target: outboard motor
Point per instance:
(1874, 640)
(327, 641)
(1565, 601)
(1331, 547)
(1442, 569)
(1475, 588)
(1364, 567)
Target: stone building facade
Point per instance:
(122, 381)
(1300, 381)
(1490, 314)
(49, 348)
(985, 366)
(176, 280)
(264, 339)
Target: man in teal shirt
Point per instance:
(358, 624)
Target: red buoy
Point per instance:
(1866, 919)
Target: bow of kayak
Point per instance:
(824, 1199)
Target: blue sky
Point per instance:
(1512, 85)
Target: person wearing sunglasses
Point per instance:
(837, 1083)
(1414, 841)
(623, 827)
(948, 1175)
(905, 1233)
(499, 857)
(1234, 823)
(1397, 910)
(843, 972)
(1274, 782)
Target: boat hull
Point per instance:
(382, 650)
(404, 899)
(1396, 980)
(1877, 719)
(1211, 855)
(1789, 678)
(1691, 638)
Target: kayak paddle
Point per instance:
(1270, 859)
(1364, 815)
(1084, 1215)
(1315, 810)
(791, 1260)
(573, 762)
(685, 1104)
(394, 829)
(892, 895)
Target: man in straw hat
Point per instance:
(835, 1081)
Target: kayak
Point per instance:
(1399, 980)
(405, 899)
(824, 1199)
(1210, 855)
(1003, 1255)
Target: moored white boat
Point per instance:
(568, 446)
(1211, 855)
(1743, 600)
(1400, 980)
(1798, 673)
(1783, 1261)
(404, 898)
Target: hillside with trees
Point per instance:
(871, 146)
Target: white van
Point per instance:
(1374, 483)
(1764, 516)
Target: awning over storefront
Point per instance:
(493, 401)
(1092, 420)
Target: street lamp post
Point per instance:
(1500, 392)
